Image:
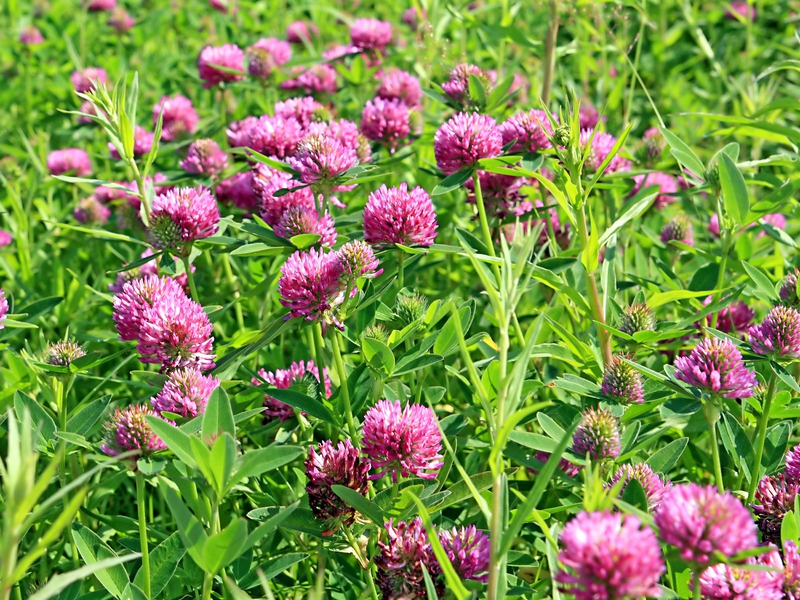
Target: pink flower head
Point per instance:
(266, 55)
(468, 549)
(340, 51)
(331, 465)
(609, 556)
(678, 229)
(223, 6)
(600, 148)
(205, 157)
(142, 143)
(120, 20)
(402, 557)
(186, 392)
(301, 109)
(275, 136)
(567, 467)
(741, 9)
(401, 85)
(793, 464)
(589, 117)
(176, 332)
(411, 17)
(358, 261)
(699, 521)
(301, 32)
(317, 79)
(299, 220)
(73, 161)
(667, 186)
(347, 133)
(397, 216)
(622, 382)
(311, 286)
(3, 308)
(530, 130)
(128, 430)
(654, 142)
(734, 318)
(179, 117)
(136, 298)
(465, 139)
(298, 372)
(87, 79)
(6, 239)
(385, 122)
(89, 109)
(405, 440)
(597, 435)
(457, 87)
(321, 159)
(31, 36)
(229, 56)
(239, 191)
(654, 487)
(778, 335)
(181, 217)
(791, 582)
(728, 582)
(90, 210)
(715, 366)
(774, 497)
(778, 221)
(266, 182)
(102, 5)
(371, 34)
(503, 196)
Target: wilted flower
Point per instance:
(622, 382)
(734, 318)
(128, 430)
(774, 497)
(465, 139)
(63, 353)
(205, 157)
(31, 36)
(299, 32)
(334, 465)
(179, 117)
(778, 335)
(69, 160)
(397, 216)
(120, 20)
(678, 229)
(401, 559)
(176, 332)
(267, 54)
(186, 392)
(266, 182)
(597, 435)
(358, 260)
(297, 373)
(371, 34)
(410, 306)
(699, 521)
(600, 147)
(142, 143)
(182, 216)
(530, 130)
(317, 79)
(87, 79)
(303, 110)
(400, 85)
(405, 440)
(91, 211)
(667, 187)
(610, 557)
(457, 87)
(728, 582)
(311, 285)
(654, 487)
(637, 317)
(385, 122)
(228, 56)
(715, 366)
(468, 549)
(321, 159)
(3, 308)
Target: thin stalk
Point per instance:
(226, 264)
(140, 184)
(208, 578)
(550, 52)
(401, 258)
(594, 296)
(487, 234)
(723, 262)
(319, 345)
(711, 413)
(140, 505)
(190, 276)
(696, 586)
(345, 393)
(761, 435)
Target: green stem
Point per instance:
(208, 578)
(319, 345)
(711, 412)
(487, 234)
(550, 53)
(345, 393)
(723, 261)
(190, 276)
(401, 259)
(761, 435)
(226, 264)
(140, 505)
(696, 585)
(140, 184)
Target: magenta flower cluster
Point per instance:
(181, 217)
(399, 216)
(716, 367)
(283, 379)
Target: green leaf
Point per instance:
(258, 249)
(551, 428)
(133, 592)
(447, 340)
(40, 418)
(60, 582)
(305, 240)
(269, 525)
(307, 404)
(191, 531)
(742, 451)
(272, 568)
(83, 422)
(734, 190)
(452, 182)
(666, 458)
(360, 503)
(634, 495)
(416, 363)
(789, 530)
(634, 209)
(672, 295)
(175, 439)
(378, 355)
(92, 550)
(256, 462)
(222, 548)
(222, 459)
(476, 90)
(761, 280)
(683, 152)
(218, 418)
